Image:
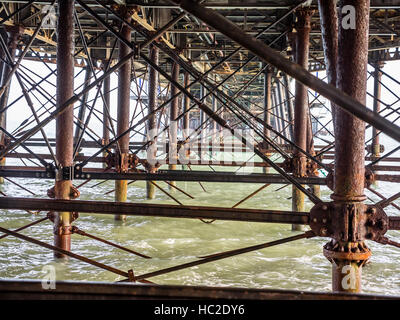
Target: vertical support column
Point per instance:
(289, 105)
(186, 117)
(282, 103)
(186, 106)
(349, 172)
(267, 108)
(376, 148)
(203, 117)
(106, 123)
(152, 123)
(303, 28)
(64, 122)
(124, 84)
(329, 29)
(13, 34)
(173, 129)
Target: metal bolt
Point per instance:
(315, 220)
(324, 207)
(324, 220)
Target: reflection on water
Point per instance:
(298, 265)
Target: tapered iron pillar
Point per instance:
(173, 129)
(376, 147)
(267, 107)
(63, 189)
(152, 123)
(13, 34)
(124, 84)
(348, 253)
(106, 104)
(301, 50)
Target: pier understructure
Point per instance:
(193, 80)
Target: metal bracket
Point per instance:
(349, 222)
(136, 55)
(65, 173)
(78, 172)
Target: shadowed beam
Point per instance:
(156, 210)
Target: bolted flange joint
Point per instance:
(301, 166)
(51, 216)
(368, 181)
(375, 148)
(349, 221)
(338, 252)
(63, 230)
(73, 194)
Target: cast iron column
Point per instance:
(267, 108)
(173, 131)
(329, 29)
(186, 106)
(13, 34)
(106, 123)
(303, 27)
(376, 148)
(64, 123)
(152, 123)
(348, 252)
(124, 84)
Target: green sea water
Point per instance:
(298, 265)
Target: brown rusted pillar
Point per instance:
(376, 148)
(13, 34)
(329, 29)
(186, 106)
(106, 123)
(303, 27)
(124, 84)
(173, 129)
(186, 117)
(267, 107)
(64, 123)
(347, 251)
(152, 124)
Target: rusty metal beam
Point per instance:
(71, 290)
(156, 210)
